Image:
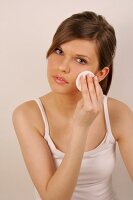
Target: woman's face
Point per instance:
(68, 60)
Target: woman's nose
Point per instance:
(64, 66)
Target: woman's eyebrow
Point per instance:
(59, 47)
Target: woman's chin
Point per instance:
(64, 90)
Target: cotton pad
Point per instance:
(84, 73)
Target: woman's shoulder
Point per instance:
(117, 107)
(31, 111)
(120, 113)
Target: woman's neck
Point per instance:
(64, 104)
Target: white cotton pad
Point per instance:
(84, 73)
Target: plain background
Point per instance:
(26, 31)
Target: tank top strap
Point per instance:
(107, 119)
(42, 109)
(109, 135)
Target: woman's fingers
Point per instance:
(89, 106)
(99, 91)
(97, 87)
(85, 93)
(91, 92)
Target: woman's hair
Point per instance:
(89, 26)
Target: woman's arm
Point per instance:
(63, 182)
(123, 120)
(52, 183)
(34, 148)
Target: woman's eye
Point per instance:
(81, 61)
(58, 51)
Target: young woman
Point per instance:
(68, 137)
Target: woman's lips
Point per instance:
(60, 80)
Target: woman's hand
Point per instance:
(90, 104)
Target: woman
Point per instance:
(68, 137)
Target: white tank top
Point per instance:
(95, 177)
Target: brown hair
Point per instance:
(89, 26)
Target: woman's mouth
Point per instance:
(60, 80)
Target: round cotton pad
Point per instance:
(84, 73)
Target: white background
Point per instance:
(26, 31)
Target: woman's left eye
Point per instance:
(58, 51)
(81, 61)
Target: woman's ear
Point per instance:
(102, 73)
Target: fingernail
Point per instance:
(84, 76)
(89, 76)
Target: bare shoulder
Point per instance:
(120, 114)
(32, 114)
(115, 104)
(35, 150)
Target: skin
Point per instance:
(79, 124)
(68, 96)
